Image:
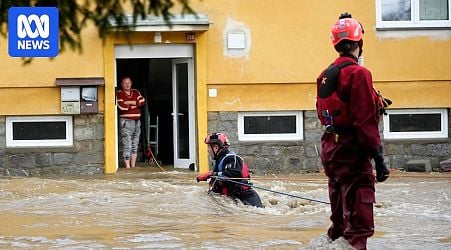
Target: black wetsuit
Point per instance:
(232, 167)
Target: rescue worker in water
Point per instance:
(350, 109)
(228, 165)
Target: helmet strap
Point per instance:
(215, 154)
(360, 48)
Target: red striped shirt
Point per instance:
(126, 109)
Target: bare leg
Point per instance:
(133, 160)
(127, 163)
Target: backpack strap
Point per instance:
(329, 80)
(221, 163)
(345, 64)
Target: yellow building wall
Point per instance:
(27, 89)
(290, 45)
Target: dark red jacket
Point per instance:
(348, 154)
(356, 84)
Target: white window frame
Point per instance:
(299, 135)
(39, 143)
(414, 22)
(417, 135)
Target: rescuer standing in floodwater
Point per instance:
(350, 109)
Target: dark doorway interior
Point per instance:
(153, 78)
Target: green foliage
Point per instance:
(74, 15)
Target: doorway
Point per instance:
(153, 79)
(168, 116)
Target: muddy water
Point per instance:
(143, 208)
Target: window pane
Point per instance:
(415, 122)
(182, 108)
(269, 124)
(434, 10)
(39, 130)
(396, 10)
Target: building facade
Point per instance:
(250, 74)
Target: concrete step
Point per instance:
(419, 165)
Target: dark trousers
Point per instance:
(352, 209)
(250, 197)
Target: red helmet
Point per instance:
(346, 29)
(218, 138)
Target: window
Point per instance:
(413, 14)
(270, 126)
(416, 123)
(42, 131)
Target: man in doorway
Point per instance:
(129, 102)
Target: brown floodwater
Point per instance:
(147, 208)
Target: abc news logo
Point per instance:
(33, 32)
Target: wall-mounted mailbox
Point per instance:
(79, 95)
(70, 93)
(70, 99)
(89, 103)
(70, 107)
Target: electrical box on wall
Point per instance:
(79, 95)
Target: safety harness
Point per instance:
(244, 173)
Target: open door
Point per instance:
(183, 112)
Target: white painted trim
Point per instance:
(183, 162)
(153, 51)
(443, 133)
(116, 132)
(38, 143)
(415, 22)
(299, 135)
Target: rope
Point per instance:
(154, 160)
(269, 190)
(280, 179)
(212, 186)
(433, 175)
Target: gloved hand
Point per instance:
(204, 176)
(382, 172)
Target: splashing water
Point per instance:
(170, 210)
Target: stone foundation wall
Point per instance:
(86, 156)
(399, 152)
(304, 156)
(273, 157)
